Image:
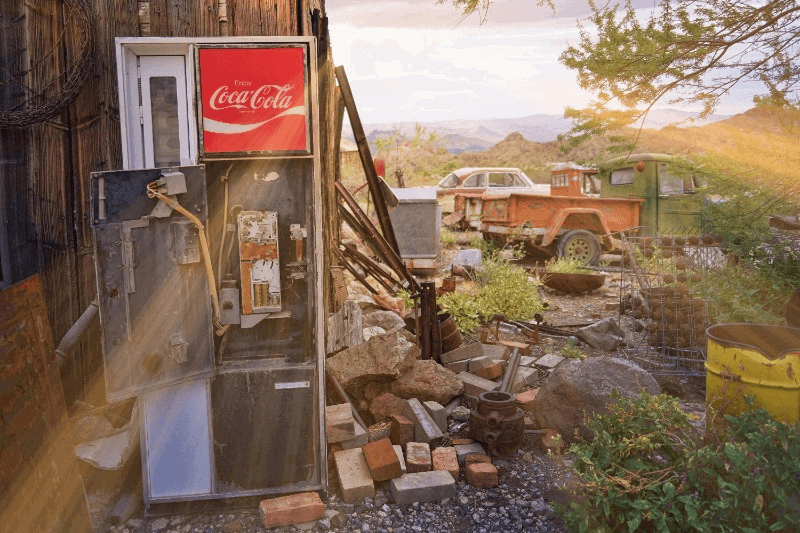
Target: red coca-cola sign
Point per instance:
(253, 100)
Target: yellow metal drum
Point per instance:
(756, 360)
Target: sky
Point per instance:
(416, 60)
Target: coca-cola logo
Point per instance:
(264, 97)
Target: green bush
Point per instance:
(648, 469)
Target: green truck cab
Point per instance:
(672, 205)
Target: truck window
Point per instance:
(560, 180)
(622, 176)
(519, 182)
(500, 179)
(476, 180)
(449, 182)
(667, 183)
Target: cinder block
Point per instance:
(480, 362)
(474, 386)
(290, 510)
(457, 366)
(463, 450)
(482, 475)
(473, 458)
(493, 371)
(402, 430)
(339, 423)
(467, 351)
(526, 400)
(444, 458)
(425, 429)
(398, 450)
(422, 487)
(438, 414)
(354, 476)
(381, 460)
(360, 439)
(418, 457)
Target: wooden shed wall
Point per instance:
(44, 169)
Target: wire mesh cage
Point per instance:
(665, 297)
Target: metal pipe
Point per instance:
(511, 371)
(76, 331)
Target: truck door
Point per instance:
(627, 182)
(678, 206)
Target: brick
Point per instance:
(425, 429)
(462, 450)
(422, 487)
(398, 450)
(292, 509)
(354, 476)
(474, 386)
(493, 371)
(524, 349)
(480, 362)
(482, 475)
(339, 423)
(381, 460)
(526, 400)
(457, 366)
(473, 458)
(462, 441)
(361, 438)
(438, 414)
(444, 458)
(549, 361)
(418, 457)
(402, 430)
(495, 351)
(467, 351)
(381, 430)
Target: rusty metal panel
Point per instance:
(41, 489)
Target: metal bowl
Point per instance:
(573, 283)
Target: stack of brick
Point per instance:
(481, 366)
(341, 429)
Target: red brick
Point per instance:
(475, 458)
(455, 442)
(526, 400)
(382, 461)
(493, 371)
(292, 509)
(418, 457)
(482, 475)
(445, 458)
(402, 430)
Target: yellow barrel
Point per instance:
(756, 360)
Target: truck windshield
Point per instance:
(450, 181)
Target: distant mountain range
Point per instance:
(459, 136)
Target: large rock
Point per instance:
(381, 358)
(428, 381)
(576, 390)
(387, 320)
(386, 405)
(603, 335)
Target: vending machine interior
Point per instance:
(208, 259)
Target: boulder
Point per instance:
(372, 331)
(387, 320)
(576, 390)
(603, 335)
(386, 405)
(428, 381)
(381, 358)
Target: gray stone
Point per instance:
(159, 524)
(603, 335)
(577, 390)
(427, 380)
(425, 428)
(549, 361)
(460, 414)
(423, 487)
(463, 450)
(389, 321)
(372, 331)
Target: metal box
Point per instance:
(417, 220)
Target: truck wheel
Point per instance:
(581, 245)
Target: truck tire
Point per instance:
(580, 244)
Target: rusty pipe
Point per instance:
(511, 371)
(337, 387)
(75, 332)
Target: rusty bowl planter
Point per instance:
(573, 283)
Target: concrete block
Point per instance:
(425, 429)
(361, 438)
(457, 366)
(474, 386)
(354, 476)
(339, 423)
(444, 458)
(480, 362)
(381, 460)
(467, 351)
(423, 487)
(493, 371)
(402, 430)
(549, 361)
(462, 450)
(482, 475)
(418, 457)
(290, 510)
(526, 400)
(398, 450)
(438, 414)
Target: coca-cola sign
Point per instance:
(253, 100)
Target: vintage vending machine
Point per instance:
(208, 257)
